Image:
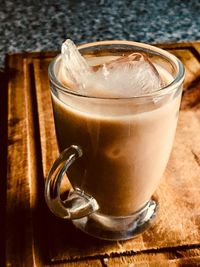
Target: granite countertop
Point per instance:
(44, 25)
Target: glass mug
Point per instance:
(114, 150)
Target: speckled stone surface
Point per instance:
(43, 25)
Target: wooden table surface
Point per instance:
(32, 236)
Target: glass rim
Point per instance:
(177, 81)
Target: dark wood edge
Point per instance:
(3, 159)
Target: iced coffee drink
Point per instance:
(118, 104)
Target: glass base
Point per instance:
(118, 228)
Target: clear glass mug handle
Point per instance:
(78, 204)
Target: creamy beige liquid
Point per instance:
(125, 147)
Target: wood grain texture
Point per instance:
(34, 237)
(157, 259)
(19, 233)
(3, 159)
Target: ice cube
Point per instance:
(74, 70)
(126, 76)
(131, 75)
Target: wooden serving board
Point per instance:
(32, 236)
